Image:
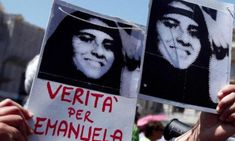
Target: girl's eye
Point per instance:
(108, 44)
(170, 22)
(193, 30)
(86, 38)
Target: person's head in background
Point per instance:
(181, 33)
(153, 130)
(85, 43)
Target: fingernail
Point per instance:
(220, 93)
(30, 114)
(218, 109)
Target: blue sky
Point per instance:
(37, 12)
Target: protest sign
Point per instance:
(86, 87)
(64, 112)
(188, 52)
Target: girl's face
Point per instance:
(93, 53)
(178, 38)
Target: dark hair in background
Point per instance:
(151, 126)
(57, 63)
(157, 13)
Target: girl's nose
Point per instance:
(98, 50)
(183, 38)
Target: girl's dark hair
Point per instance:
(58, 52)
(157, 13)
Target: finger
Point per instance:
(225, 102)
(227, 112)
(231, 118)
(9, 133)
(9, 102)
(13, 110)
(225, 91)
(17, 122)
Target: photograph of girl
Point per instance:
(180, 48)
(85, 50)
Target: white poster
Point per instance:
(67, 113)
(86, 86)
(188, 52)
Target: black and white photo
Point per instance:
(181, 50)
(86, 50)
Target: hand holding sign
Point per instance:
(216, 127)
(13, 125)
